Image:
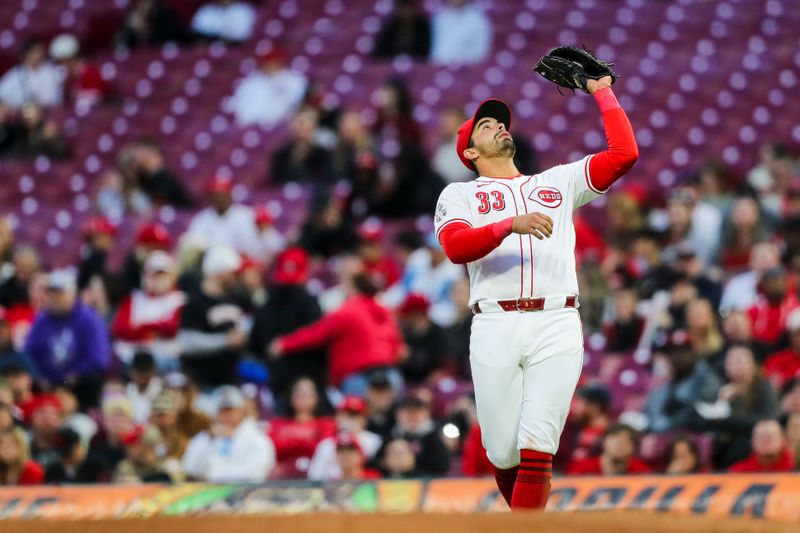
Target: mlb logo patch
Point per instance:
(546, 196)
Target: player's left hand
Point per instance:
(592, 86)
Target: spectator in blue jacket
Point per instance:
(68, 342)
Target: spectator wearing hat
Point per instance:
(33, 80)
(588, 420)
(190, 421)
(382, 267)
(288, 307)
(46, 418)
(68, 341)
(142, 463)
(154, 179)
(671, 406)
(270, 93)
(782, 366)
(151, 237)
(361, 336)
(99, 234)
(743, 400)
(271, 241)
(14, 290)
(301, 158)
(350, 459)
(73, 465)
(351, 420)
(406, 32)
(9, 356)
(769, 314)
(770, 452)
(144, 386)
(16, 468)
(426, 342)
(148, 319)
(620, 446)
(224, 223)
(297, 434)
(380, 404)
(234, 450)
(705, 279)
(461, 34)
(213, 331)
(226, 20)
(164, 416)
(84, 86)
(415, 424)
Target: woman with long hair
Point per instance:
(16, 467)
(704, 329)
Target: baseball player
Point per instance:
(515, 234)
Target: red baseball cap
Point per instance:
(354, 404)
(492, 107)
(99, 225)
(371, 230)
(153, 234)
(291, 266)
(262, 215)
(346, 440)
(249, 262)
(414, 303)
(275, 54)
(219, 184)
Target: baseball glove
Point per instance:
(571, 67)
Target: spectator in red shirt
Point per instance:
(15, 466)
(618, 458)
(361, 336)
(380, 266)
(350, 459)
(770, 453)
(474, 461)
(782, 366)
(297, 434)
(772, 308)
(684, 457)
(588, 421)
(84, 86)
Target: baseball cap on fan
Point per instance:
(493, 108)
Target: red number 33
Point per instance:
(485, 206)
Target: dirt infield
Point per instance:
(596, 522)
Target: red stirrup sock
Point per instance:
(505, 481)
(533, 480)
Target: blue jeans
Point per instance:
(356, 384)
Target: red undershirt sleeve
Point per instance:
(464, 244)
(607, 167)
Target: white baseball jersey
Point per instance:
(522, 266)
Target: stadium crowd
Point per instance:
(339, 349)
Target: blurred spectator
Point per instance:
(270, 93)
(770, 453)
(106, 447)
(361, 336)
(671, 406)
(84, 86)
(624, 217)
(692, 224)
(6, 233)
(26, 264)
(229, 20)
(9, 356)
(769, 314)
(620, 446)
(777, 165)
(73, 465)
(164, 416)
(623, 333)
(458, 333)
(646, 265)
(379, 265)
(46, 418)
(744, 228)
(714, 181)
(234, 450)
(301, 159)
(190, 421)
(701, 325)
(213, 331)
(428, 272)
(741, 291)
(252, 283)
(144, 387)
(474, 461)
(791, 429)
(426, 342)
(790, 396)
(34, 135)
(588, 420)
(351, 420)
(350, 459)
(355, 159)
(684, 457)
(7, 420)
(80, 422)
(746, 398)
(148, 319)
(288, 307)
(271, 241)
(156, 181)
(99, 236)
(461, 34)
(327, 232)
(414, 424)
(688, 265)
(150, 23)
(406, 32)
(397, 460)
(150, 238)
(17, 379)
(15, 466)
(68, 342)
(34, 80)
(380, 404)
(142, 463)
(224, 223)
(445, 160)
(297, 435)
(780, 367)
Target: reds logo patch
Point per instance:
(546, 196)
